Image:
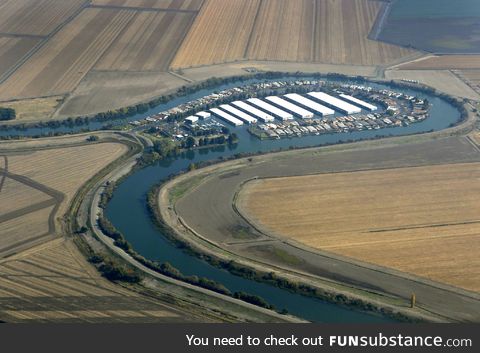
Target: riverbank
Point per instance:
(206, 244)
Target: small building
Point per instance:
(203, 115)
(191, 120)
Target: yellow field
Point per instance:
(219, 34)
(342, 28)
(40, 180)
(28, 110)
(283, 31)
(424, 221)
(323, 31)
(65, 169)
(38, 17)
(471, 77)
(149, 43)
(54, 282)
(59, 65)
(17, 231)
(15, 195)
(153, 4)
(445, 62)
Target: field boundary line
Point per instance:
(26, 210)
(4, 173)
(40, 44)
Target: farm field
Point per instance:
(67, 168)
(193, 5)
(391, 218)
(472, 77)
(215, 36)
(13, 49)
(283, 31)
(148, 43)
(59, 65)
(36, 17)
(30, 110)
(443, 80)
(38, 187)
(53, 282)
(445, 62)
(341, 32)
(287, 30)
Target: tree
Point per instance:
(190, 142)
(7, 114)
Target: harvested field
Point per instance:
(30, 110)
(153, 4)
(323, 31)
(65, 169)
(18, 231)
(53, 282)
(38, 17)
(100, 91)
(471, 77)
(421, 220)
(445, 62)
(219, 34)
(59, 65)
(15, 195)
(13, 49)
(342, 30)
(283, 31)
(39, 186)
(443, 80)
(148, 43)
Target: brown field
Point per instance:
(423, 220)
(342, 28)
(13, 49)
(323, 31)
(283, 31)
(40, 180)
(153, 4)
(471, 77)
(59, 65)
(219, 34)
(39, 17)
(443, 80)
(15, 195)
(15, 232)
(29, 110)
(54, 282)
(445, 62)
(65, 169)
(149, 43)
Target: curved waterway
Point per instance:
(128, 211)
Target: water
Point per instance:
(127, 211)
(439, 26)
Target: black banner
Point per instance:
(239, 338)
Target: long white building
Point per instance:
(280, 114)
(264, 117)
(295, 109)
(239, 114)
(336, 103)
(226, 117)
(320, 109)
(359, 102)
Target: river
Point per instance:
(128, 211)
